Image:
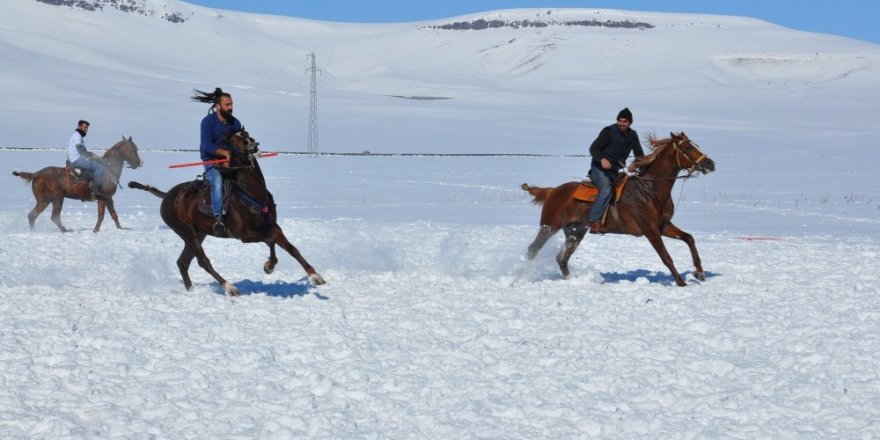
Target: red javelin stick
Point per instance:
(215, 161)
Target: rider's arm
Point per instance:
(599, 144)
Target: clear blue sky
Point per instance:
(858, 19)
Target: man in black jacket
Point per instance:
(609, 151)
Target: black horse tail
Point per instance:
(539, 194)
(150, 189)
(25, 175)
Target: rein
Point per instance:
(678, 155)
(107, 169)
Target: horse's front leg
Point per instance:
(277, 236)
(111, 207)
(101, 206)
(673, 231)
(653, 236)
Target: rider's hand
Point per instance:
(225, 153)
(632, 168)
(606, 164)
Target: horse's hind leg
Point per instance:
(38, 209)
(269, 266)
(56, 213)
(183, 262)
(193, 248)
(574, 233)
(673, 231)
(544, 234)
(277, 236)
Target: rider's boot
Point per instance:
(219, 228)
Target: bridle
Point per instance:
(250, 149)
(695, 163)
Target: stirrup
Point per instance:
(220, 229)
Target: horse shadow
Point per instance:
(653, 277)
(277, 289)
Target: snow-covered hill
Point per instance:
(545, 86)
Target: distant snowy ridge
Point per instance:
(481, 23)
(138, 7)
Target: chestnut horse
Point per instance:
(644, 208)
(250, 217)
(53, 184)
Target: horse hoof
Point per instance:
(317, 279)
(268, 268)
(231, 290)
(700, 276)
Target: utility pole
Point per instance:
(313, 106)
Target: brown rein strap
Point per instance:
(694, 163)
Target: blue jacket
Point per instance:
(213, 135)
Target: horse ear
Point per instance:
(123, 137)
(129, 138)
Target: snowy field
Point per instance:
(432, 325)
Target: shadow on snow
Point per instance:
(278, 289)
(653, 277)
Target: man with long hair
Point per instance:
(213, 145)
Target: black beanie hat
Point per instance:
(625, 114)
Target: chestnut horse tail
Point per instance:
(540, 194)
(150, 189)
(25, 175)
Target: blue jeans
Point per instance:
(96, 168)
(216, 182)
(604, 181)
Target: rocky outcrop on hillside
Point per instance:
(138, 7)
(481, 23)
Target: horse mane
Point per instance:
(116, 149)
(657, 147)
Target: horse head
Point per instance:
(689, 156)
(679, 152)
(243, 142)
(129, 152)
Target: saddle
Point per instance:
(201, 187)
(77, 174)
(587, 192)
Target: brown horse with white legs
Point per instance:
(644, 207)
(251, 215)
(54, 184)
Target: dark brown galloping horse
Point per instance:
(53, 184)
(251, 215)
(645, 206)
